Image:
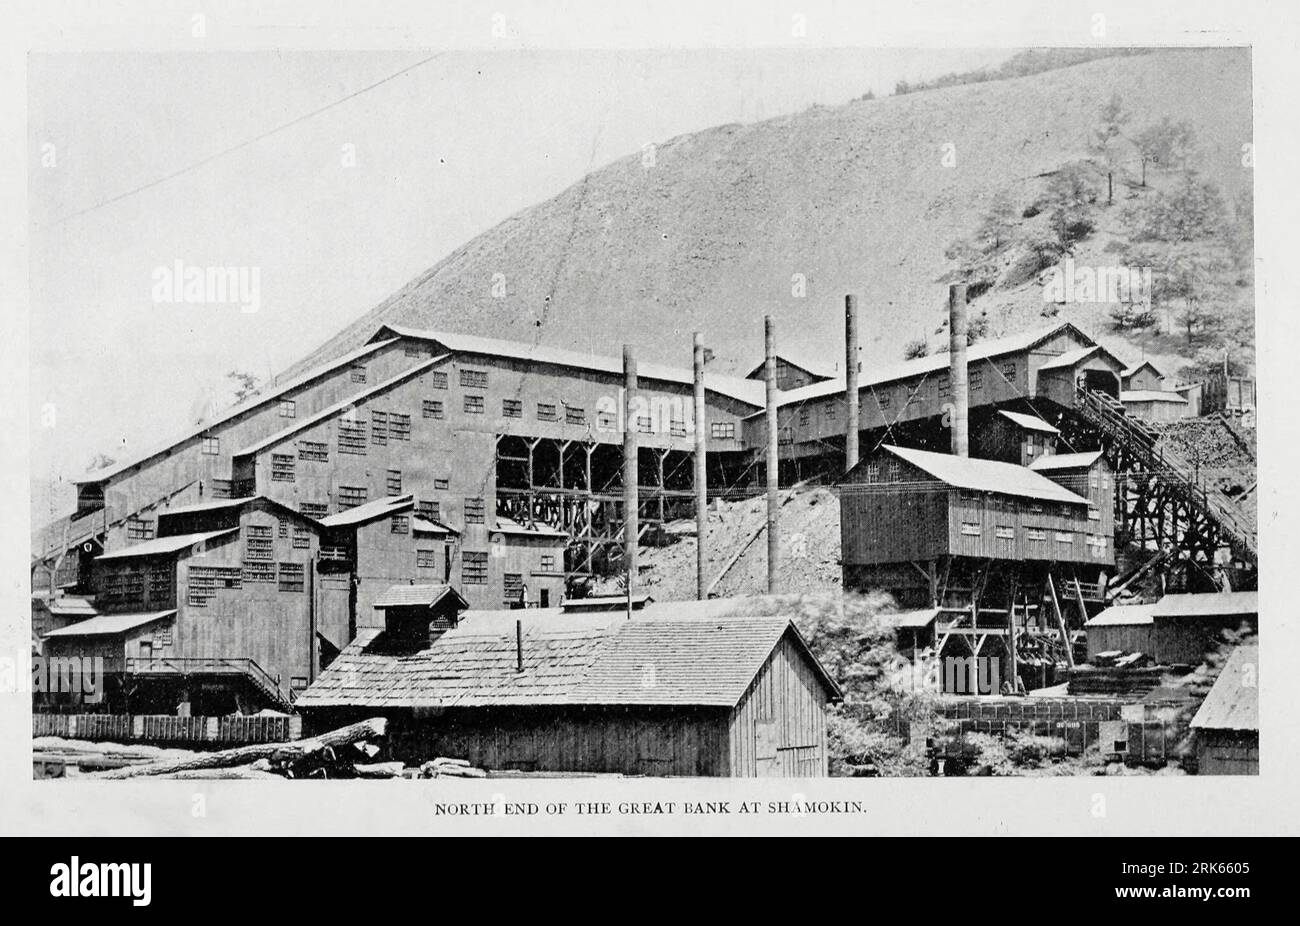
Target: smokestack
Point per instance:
(851, 380)
(631, 529)
(773, 468)
(701, 470)
(519, 646)
(957, 368)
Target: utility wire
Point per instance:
(251, 141)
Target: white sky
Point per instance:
(443, 153)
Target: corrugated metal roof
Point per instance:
(1055, 461)
(1123, 615)
(1208, 605)
(162, 545)
(108, 624)
(302, 424)
(983, 475)
(598, 659)
(1029, 422)
(1233, 702)
(379, 508)
(934, 363)
(1151, 395)
(406, 596)
(750, 392)
(234, 412)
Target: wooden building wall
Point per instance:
(909, 516)
(258, 620)
(998, 438)
(778, 730)
(1182, 640)
(1156, 411)
(152, 640)
(1145, 379)
(1130, 638)
(1227, 752)
(990, 381)
(629, 741)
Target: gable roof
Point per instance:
(590, 659)
(1233, 703)
(1214, 604)
(109, 624)
(161, 545)
(234, 412)
(743, 390)
(932, 363)
(1138, 366)
(414, 596)
(1055, 461)
(1123, 615)
(227, 504)
(379, 508)
(977, 475)
(332, 411)
(814, 368)
(1028, 422)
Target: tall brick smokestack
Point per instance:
(851, 381)
(957, 368)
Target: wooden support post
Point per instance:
(1011, 635)
(701, 470)
(773, 460)
(630, 472)
(1060, 622)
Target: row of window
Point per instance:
(352, 496)
(206, 581)
(1036, 534)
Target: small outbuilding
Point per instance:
(681, 689)
(1227, 723)
(1121, 628)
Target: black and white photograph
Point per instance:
(529, 408)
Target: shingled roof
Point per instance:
(569, 660)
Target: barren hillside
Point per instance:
(724, 224)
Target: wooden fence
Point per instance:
(233, 730)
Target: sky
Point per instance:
(362, 191)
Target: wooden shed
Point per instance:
(681, 689)
(1227, 723)
(1154, 405)
(1121, 628)
(1187, 626)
